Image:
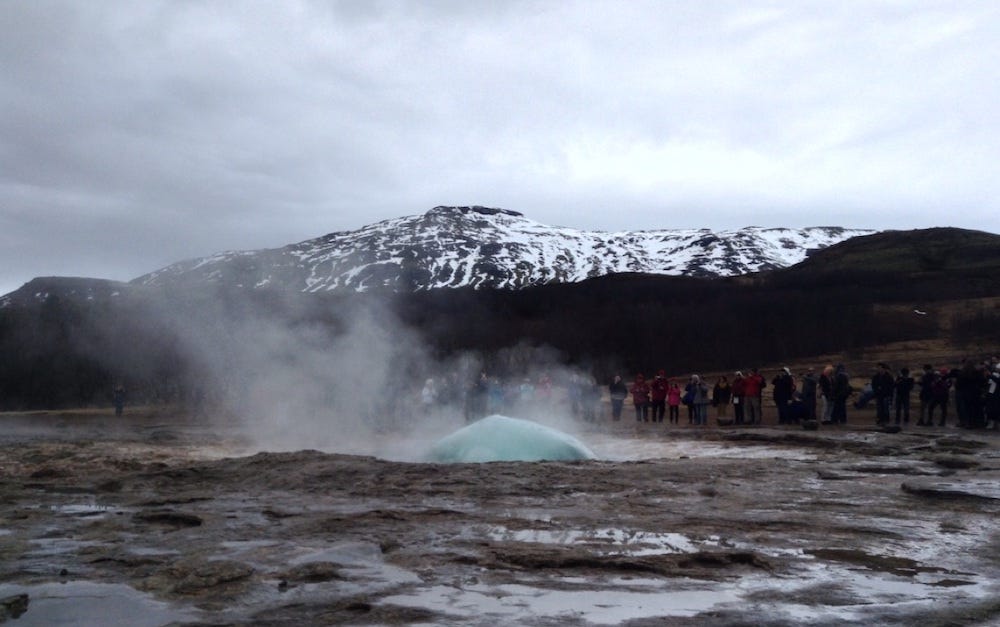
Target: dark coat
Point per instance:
(721, 394)
(841, 385)
(882, 385)
(618, 390)
(809, 388)
(784, 387)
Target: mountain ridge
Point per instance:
(487, 247)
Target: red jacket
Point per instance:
(658, 389)
(640, 391)
(753, 385)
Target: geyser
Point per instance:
(502, 439)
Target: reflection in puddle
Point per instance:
(49, 547)
(86, 603)
(613, 600)
(83, 509)
(609, 541)
(514, 603)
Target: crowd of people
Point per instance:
(967, 395)
(820, 398)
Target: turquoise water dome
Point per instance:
(502, 439)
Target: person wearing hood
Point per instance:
(640, 398)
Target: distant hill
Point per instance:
(914, 254)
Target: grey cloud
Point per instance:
(198, 126)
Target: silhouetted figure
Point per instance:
(658, 397)
(118, 396)
(739, 397)
(904, 385)
(618, 392)
(841, 392)
(809, 385)
(882, 387)
(926, 395)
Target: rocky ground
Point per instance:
(155, 520)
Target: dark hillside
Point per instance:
(648, 322)
(65, 342)
(946, 262)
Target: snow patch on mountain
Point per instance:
(496, 248)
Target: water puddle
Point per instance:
(519, 603)
(87, 603)
(83, 510)
(52, 547)
(609, 541)
(915, 573)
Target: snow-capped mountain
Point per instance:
(496, 248)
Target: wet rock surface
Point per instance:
(709, 527)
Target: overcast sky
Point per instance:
(138, 133)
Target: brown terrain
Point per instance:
(156, 518)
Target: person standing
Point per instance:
(809, 385)
(700, 400)
(882, 388)
(428, 395)
(903, 387)
(590, 398)
(674, 402)
(658, 397)
(739, 391)
(969, 384)
(841, 392)
(784, 388)
(688, 399)
(118, 397)
(993, 397)
(753, 389)
(721, 395)
(940, 390)
(640, 398)
(926, 396)
(618, 393)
